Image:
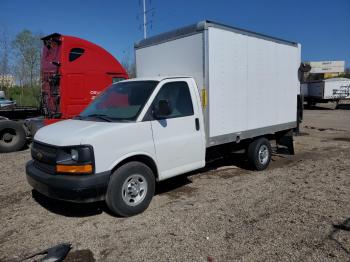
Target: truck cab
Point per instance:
(135, 133)
(73, 72)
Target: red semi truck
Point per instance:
(73, 72)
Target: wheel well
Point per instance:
(267, 136)
(140, 158)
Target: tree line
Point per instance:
(20, 58)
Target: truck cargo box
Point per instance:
(248, 81)
(329, 89)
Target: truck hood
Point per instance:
(75, 132)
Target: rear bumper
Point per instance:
(78, 188)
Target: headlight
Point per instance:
(75, 155)
(75, 160)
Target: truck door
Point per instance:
(179, 138)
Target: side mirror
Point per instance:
(163, 109)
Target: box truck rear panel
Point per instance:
(250, 80)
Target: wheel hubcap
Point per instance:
(7, 137)
(134, 189)
(263, 154)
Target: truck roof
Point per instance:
(201, 26)
(156, 78)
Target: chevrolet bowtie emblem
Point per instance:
(39, 155)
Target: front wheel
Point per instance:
(259, 153)
(130, 189)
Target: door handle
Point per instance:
(197, 123)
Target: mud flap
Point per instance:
(300, 113)
(286, 139)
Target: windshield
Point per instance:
(121, 101)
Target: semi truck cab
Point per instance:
(73, 72)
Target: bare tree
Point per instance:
(4, 54)
(27, 47)
(128, 63)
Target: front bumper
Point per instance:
(74, 188)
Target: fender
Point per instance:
(135, 154)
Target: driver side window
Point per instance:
(179, 97)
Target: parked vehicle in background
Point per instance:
(202, 91)
(73, 71)
(327, 90)
(5, 102)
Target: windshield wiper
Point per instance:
(101, 116)
(79, 117)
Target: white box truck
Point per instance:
(326, 90)
(199, 90)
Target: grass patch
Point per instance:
(24, 96)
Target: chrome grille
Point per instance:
(44, 153)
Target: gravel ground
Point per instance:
(221, 213)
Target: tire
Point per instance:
(135, 178)
(12, 136)
(259, 154)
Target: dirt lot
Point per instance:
(222, 213)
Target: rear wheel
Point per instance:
(259, 153)
(12, 136)
(130, 189)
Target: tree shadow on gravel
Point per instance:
(333, 107)
(337, 228)
(343, 106)
(69, 209)
(307, 107)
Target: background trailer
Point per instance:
(327, 90)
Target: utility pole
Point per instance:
(146, 15)
(144, 20)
